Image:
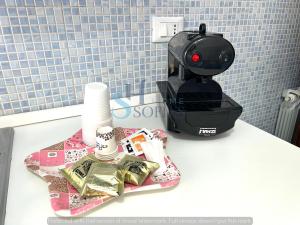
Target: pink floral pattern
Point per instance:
(64, 198)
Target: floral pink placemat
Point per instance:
(64, 198)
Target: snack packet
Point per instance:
(132, 143)
(104, 179)
(76, 174)
(137, 169)
(155, 152)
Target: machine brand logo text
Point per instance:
(207, 131)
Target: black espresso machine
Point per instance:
(193, 102)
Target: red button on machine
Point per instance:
(195, 57)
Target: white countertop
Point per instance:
(244, 172)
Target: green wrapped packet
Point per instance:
(137, 169)
(77, 173)
(104, 179)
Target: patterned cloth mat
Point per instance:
(64, 198)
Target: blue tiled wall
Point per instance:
(49, 49)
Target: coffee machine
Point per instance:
(193, 102)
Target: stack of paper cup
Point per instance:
(96, 111)
(106, 145)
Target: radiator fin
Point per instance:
(288, 114)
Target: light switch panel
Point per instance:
(164, 28)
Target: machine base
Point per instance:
(208, 123)
(201, 122)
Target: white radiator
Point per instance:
(288, 114)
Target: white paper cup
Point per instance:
(96, 100)
(96, 122)
(106, 145)
(96, 91)
(89, 128)
(96, 111)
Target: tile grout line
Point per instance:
(69, 55)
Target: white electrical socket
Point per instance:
(164, 28)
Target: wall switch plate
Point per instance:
(164, 28)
